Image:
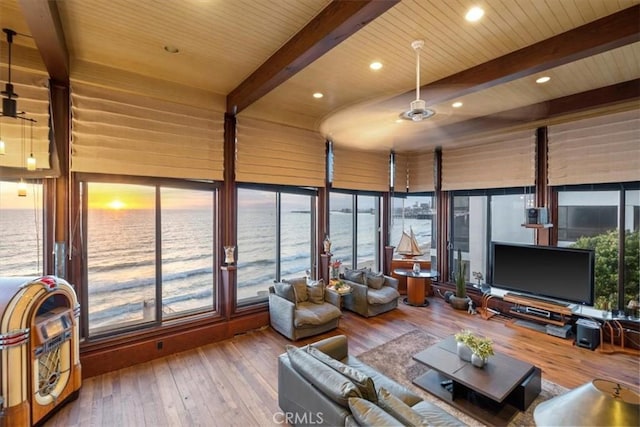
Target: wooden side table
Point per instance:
(416, 284)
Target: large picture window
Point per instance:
(354, 221)
(21, 234)
(484, 217)
(150, 254)
(590, 218)
(415, 213)
(275, 229)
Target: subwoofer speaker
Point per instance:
(587, 334)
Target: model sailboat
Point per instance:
(408, 246)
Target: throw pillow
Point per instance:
(331, 383)
(363, 382)
(398, 409)
(356, 276)
(300, 288)
(374, 280)
(368, 414)
(315, 291)
(285, 290)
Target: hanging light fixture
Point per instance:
(418, 109)
(2, 146)
(31, 161)
(9, 104)
(22, 188)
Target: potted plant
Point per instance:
(481, 349)
(463, 348)
(472, 348)
(460, 300)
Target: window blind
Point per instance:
(272, 153)
(595, 150)
(32, 86)
(401, 172)
(421, 172)
(360, 170)
(491, 162)
(121, 132)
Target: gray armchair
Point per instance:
(298, 310)
(371, 293)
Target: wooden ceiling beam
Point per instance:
(334, 24)
(547, 111)
(43, 20)
(610, 32)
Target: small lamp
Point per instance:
(22, 188)
(598, 403)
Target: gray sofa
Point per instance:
(371, 293)
(312, 391)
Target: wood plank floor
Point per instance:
(234, 382)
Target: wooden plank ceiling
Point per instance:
(267, 58)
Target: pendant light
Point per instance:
(9, 104)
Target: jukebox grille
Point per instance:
(49, 371)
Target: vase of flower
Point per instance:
(463, 338)
(335, 269)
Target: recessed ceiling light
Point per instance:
(171, 49)
(543, 79)
(375, 65)
(399, 120)
(474, 14)
(318, 95)
(457, 104)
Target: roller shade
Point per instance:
(595, 150)
(118, 132)
(421, 176)
(401, 172)
(271, 153)
(499, 161)
(360, 170)
(32, 86)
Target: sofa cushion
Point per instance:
(285, 290)
(398, 409)
(315, 291)
(381, 380)
(300, 288)
(374, 280)
(356, 276)
(363, 382)
(308, 313)
(331, 383)
(436, 416)
(382, 296)
(369, 414)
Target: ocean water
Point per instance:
(122, 257)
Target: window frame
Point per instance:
(156, 184)
(278, 190)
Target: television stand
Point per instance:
(538, 310)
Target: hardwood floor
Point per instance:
(234, 382)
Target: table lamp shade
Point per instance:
(597, 403)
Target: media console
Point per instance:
(540, 315)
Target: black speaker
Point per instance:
(537, 215)
(587, 334)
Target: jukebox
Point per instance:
(39, 348)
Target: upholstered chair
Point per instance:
(371, 293)
(299, 308)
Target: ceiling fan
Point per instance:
(418, 110)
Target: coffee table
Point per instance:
(492, 394)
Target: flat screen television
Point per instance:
(562, 274)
